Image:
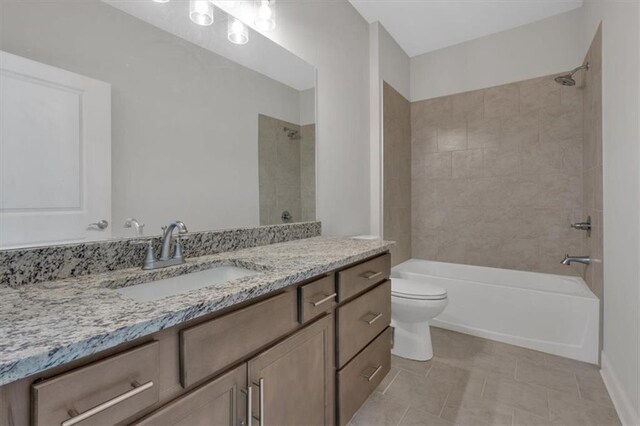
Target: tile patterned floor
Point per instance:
(477, 382)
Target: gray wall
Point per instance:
(184, 120)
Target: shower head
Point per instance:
(292, 134)
(567, 79)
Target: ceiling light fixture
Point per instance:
(161, 1)
(201, 12)
(237, 32)
(265, 15)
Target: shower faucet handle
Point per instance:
(583, 226)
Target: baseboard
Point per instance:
(624, 406)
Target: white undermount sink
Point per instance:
(160, 289)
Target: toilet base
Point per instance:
(412, 340)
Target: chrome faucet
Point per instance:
(166, 259)
(568, 260)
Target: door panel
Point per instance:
(297, 377)
(55, 154)
(220, 402)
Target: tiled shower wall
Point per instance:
(497, 176)
(592, 163)
(286, 171)
(397, 173)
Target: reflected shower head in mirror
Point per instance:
(567, 79)
(292, 134)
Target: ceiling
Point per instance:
(260, 54)
(421, 26)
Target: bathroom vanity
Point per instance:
(303, 344)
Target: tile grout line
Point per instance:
(391, 382)
(575, 379)
(484, 384)
(445, 403)
(403, 415)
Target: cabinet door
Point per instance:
(294, 380)
(219, 402)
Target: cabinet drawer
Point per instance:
(316, 298)
(222, 401)
(360, 277)
(209, 347)
(358, 379)
(112, 389)
(362, 319)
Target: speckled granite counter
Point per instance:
(51, 323)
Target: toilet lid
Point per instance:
(411, 289)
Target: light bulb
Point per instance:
(237, 32)
(201, 12)
(265, 18)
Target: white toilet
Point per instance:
(413, 304)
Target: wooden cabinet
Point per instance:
(213, 345)
(295, 379)
(269, 363)
(220, 402)
(102, 393)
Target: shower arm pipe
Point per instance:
(581, 67)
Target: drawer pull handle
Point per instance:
(371, 275)
(323, 300)
(372, 375)
(373, 319)
(137, 388)
(260, 419)
(249, 393)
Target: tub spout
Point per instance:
(568, 260)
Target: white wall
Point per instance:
(332, 36)
(387, 62)
(541, 48)
(184, 119)
(307, 107)
(621, 166)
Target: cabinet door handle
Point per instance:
(249, 393)
(373, 319)
(260, 419)
(324, 299)
(372, 375)
(77, 418)
(371, 275)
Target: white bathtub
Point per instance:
(549, 313)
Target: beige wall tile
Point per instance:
(483, 133)
(467, 164)
(498, 162)
(501, 101)
(452, 136)
(437, 165)
(506, 181)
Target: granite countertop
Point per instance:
(51, 323)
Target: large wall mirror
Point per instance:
(119, 116)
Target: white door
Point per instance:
(55, 155)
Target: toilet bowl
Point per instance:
(413, 304)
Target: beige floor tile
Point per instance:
(571, 411)
(485, 362)
(384, 384)
(559, 380)
(560, 363)
(380, 410)
(523, 418)
(477, 412)
(426, 393)
(418, 367)
(516, 395)
(592, 388)
(415, 417)
(517, 352)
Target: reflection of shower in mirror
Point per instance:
(292, 134)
